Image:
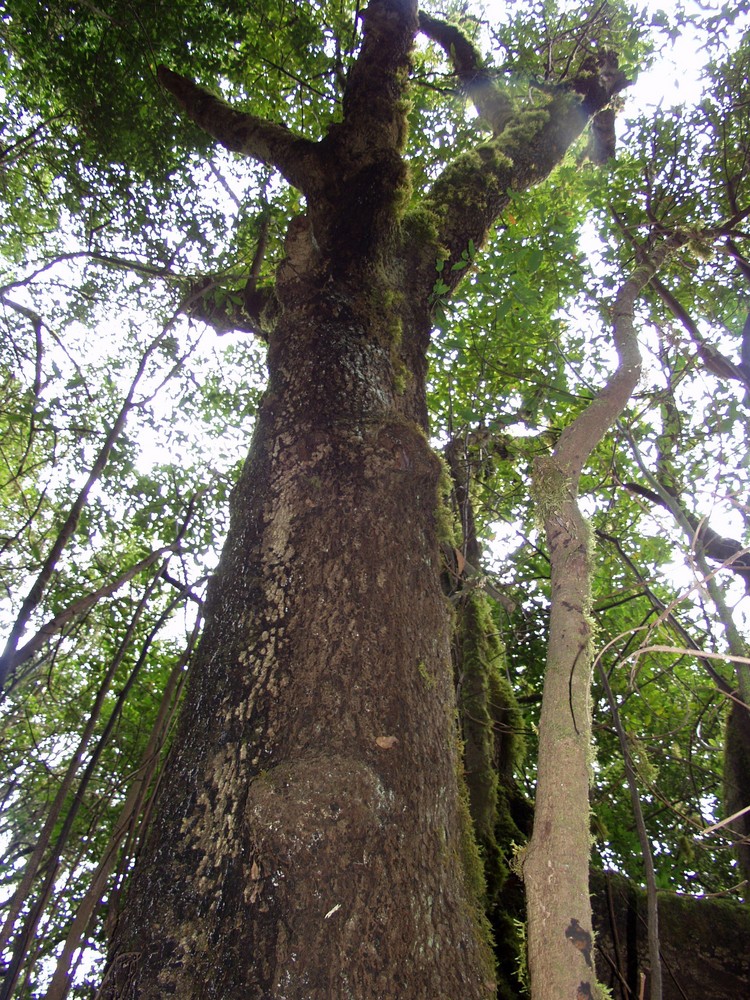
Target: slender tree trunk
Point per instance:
(60, 983)
(21, 896)
(8, 659)
(556, 867)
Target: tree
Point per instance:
(314, 778)
(310, 833)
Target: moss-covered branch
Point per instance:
(472, 192)
(233, 309)
(492, 103)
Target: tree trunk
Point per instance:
(556, 867)
(311, 839)
(737, 787)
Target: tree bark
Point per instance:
(312, 817)
(311, 834)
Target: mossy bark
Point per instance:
(491, 724)
(492, 727)
(310, 831)
(703, 943)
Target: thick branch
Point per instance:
(274, 145)
(374, 105)
(233, 310)
(475, 188)
(491, 102)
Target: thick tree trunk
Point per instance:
(311, 840)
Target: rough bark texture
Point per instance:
(737, 786)
(491, 727)
(311, 838)
(311, 819)
(560, 942)
(704, 948)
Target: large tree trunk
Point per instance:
(311, 838)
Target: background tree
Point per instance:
(118, 206)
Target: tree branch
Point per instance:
(69, 526)
(492, 104)
(665, 613)
(274, 145)
(475, 188)
(729, 552)
(713, 359)
(233, 310)
(654, 951)
(580, 437)
(80, 606)
(379, 77)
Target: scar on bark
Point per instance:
(580, 939)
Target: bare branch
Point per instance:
(82, 605)
(581, 436)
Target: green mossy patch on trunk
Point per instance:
(492, 728)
